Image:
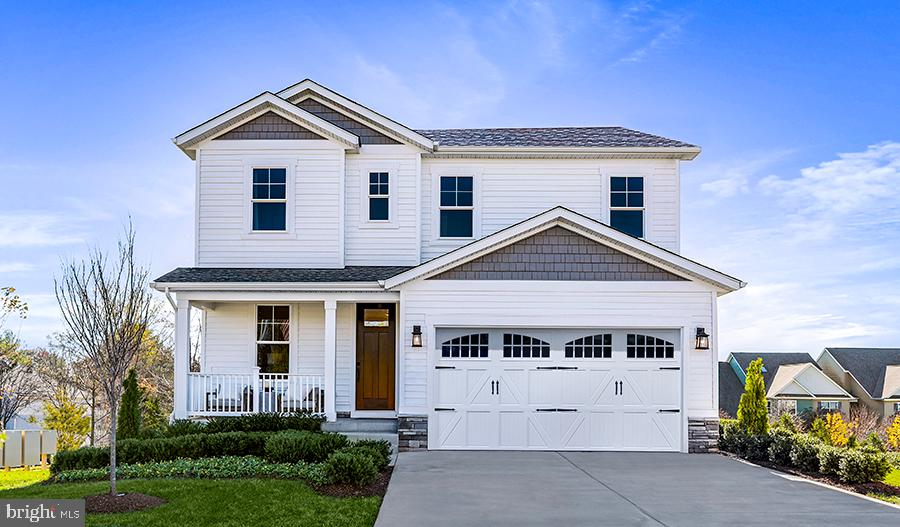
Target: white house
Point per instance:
(487, 288)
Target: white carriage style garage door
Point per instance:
(556, 389)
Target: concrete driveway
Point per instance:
(601, 488)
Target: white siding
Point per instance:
(346, 356)
(559, 304)
(229, 341)
(395, 242)
(223, 230)
(509, 191)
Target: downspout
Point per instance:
(171, 301)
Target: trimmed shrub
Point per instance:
(788, 423)
(757, 446)
(857, 466)
(265, 422)
(805, 453)
(781, 445)
(297, 445)
(873, 443)
(733, 438)
(80, 458)
(183, 427)
(381, 447)
(830, 459)
(375, 454)
(356, 468)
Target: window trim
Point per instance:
(393, 196)
(820, 406)
(437, 174)
(289, 197)
(644, 209)
(292, 317)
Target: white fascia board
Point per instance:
(684, 153)
(373, 116)
(187, 140)
(572, 221)
(267, 286)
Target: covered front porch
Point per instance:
(327, 353)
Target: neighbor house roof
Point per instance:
(869, 366)
(572, 136)
(355, 273)
(730, 389)
(793, 375)
(771, 362)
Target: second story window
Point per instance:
(379, 196)
(626, 205)
(269, 199)
(456, 207)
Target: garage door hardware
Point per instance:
(556, 410)
(495, 387)
(557, 367)
(669, 410)
(445, 409)
(445, 367)
(619, 387)
(670, 368)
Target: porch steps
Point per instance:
(377, 426)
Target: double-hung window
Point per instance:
(829, 406)
(626, 205)
(379, 196)
(273, 338)
(269, 199)
(456, 207)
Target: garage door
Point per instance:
(556, 389)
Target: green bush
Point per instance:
(858, 466)
(873, 443)
(228, 467)
(830, 459)
(757, 446)
(805, 453)
(297, 445)
(753, 411)
(351, 467)
(894, 459)
(129, 422)
(265, 422)
(732, 438)
(80, 458)
(781, 446)
(375, 454)
(183, 427)
(381, 447)
(787, 422)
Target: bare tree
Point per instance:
(19, 386)
(106, 307)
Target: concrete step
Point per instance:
(344, 424)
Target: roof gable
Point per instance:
(578, 223)
(771, 361)
(549, 255)
(367, 135)
(867, 365)
(804, 380)
(269, 125)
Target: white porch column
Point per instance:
(182, 357)
(330, 358)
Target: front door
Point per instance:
(375, 337)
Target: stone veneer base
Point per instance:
(703, 435)
(412, 432)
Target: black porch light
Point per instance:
(702, 339)
(417, 337)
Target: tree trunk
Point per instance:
(93, 412)
(112, 448)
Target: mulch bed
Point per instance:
(133, 501)
(346, 490)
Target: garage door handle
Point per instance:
(445, 367)
(669, 410)
(445, 409)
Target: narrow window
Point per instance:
(379, 196)
(626, 205)
(273, 335)
(269, 199)
(474, 346)
(456, 207)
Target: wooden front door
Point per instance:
(375, 338)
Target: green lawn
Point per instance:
(893, 478)
(239, 502)
(18, 477)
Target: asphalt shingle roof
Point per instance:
(771, 362)
(730, 389)
(356, 273)
(588, 136)
(867, 365)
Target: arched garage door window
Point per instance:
(648, 347)
(516, 346)
(474, 346)
(590, 347)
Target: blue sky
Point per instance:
(797, 190)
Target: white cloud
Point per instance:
(15, 267)
(725, 180)
(34, 229)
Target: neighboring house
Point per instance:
(870, 374)
(794, 383)
(515, 288)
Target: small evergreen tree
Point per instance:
(130, 409)
(68, 419)
(753, 414)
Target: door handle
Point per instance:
(498, 387)
(493, 385)
(621, 387)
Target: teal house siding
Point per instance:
(738, 371)
(804, 406)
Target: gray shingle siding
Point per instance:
(557, 254)
(730, 389)
(367, 135)
(360, 273)
(595, 136)
(867, 365)
(269, 125)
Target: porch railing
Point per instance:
(211, 394)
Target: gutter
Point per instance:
(171, 301)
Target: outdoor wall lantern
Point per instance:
(417, 337)
(702, 339)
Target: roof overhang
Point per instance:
(262, 103)
(265, 286)
(376, 120)
(509, 152)
(584, 226)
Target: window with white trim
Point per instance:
(269, 199)
(829, 406)
(273, 338)
(379, 196)
(457, 207)
(474, 346)
(590, 347)
(897, 408)
(648, 347)
(516, 346)
(626, 205)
